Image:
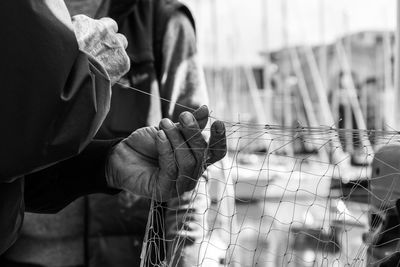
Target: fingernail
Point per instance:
(220, 128)
(167, 123)
(203, 109)
(162, 135)
(187, 118)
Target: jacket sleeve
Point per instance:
(53, 188)
(11, 212)
(53, 97)
(184, 81)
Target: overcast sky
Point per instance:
(232, 30)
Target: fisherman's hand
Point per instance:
(162, 163)
(99, 38)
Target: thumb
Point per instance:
(168, 172)
(143, 142)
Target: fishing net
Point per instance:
(286, 196)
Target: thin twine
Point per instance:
(272, 126)
(159, 97)
(311, 129)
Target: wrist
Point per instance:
(110, 174)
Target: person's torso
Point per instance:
(114, 225)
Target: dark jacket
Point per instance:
(114, 227)
(47, 83)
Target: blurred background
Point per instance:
(278, 46)
(313, 65)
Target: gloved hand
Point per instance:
(99, 38)
(162, 163)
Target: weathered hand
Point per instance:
(162, 163)
(99, 38)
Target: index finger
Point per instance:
(109, 23)
(201, 115)
(185, 160)
(179, 145)
(192, 133)
(122, 39)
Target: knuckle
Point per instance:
(193, 135)
(80, 17)
(126, 58)
(126, 63)
(163, 120)
(191, 162)
(109, 23)
(187, 165)
(122, 39)
(201, 144)
(172, 172)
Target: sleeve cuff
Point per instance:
(53, 188)
(91, 167)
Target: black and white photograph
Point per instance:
(200, 133)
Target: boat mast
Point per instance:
(397, 69)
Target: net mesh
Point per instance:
(285, 196)
(292, 197)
